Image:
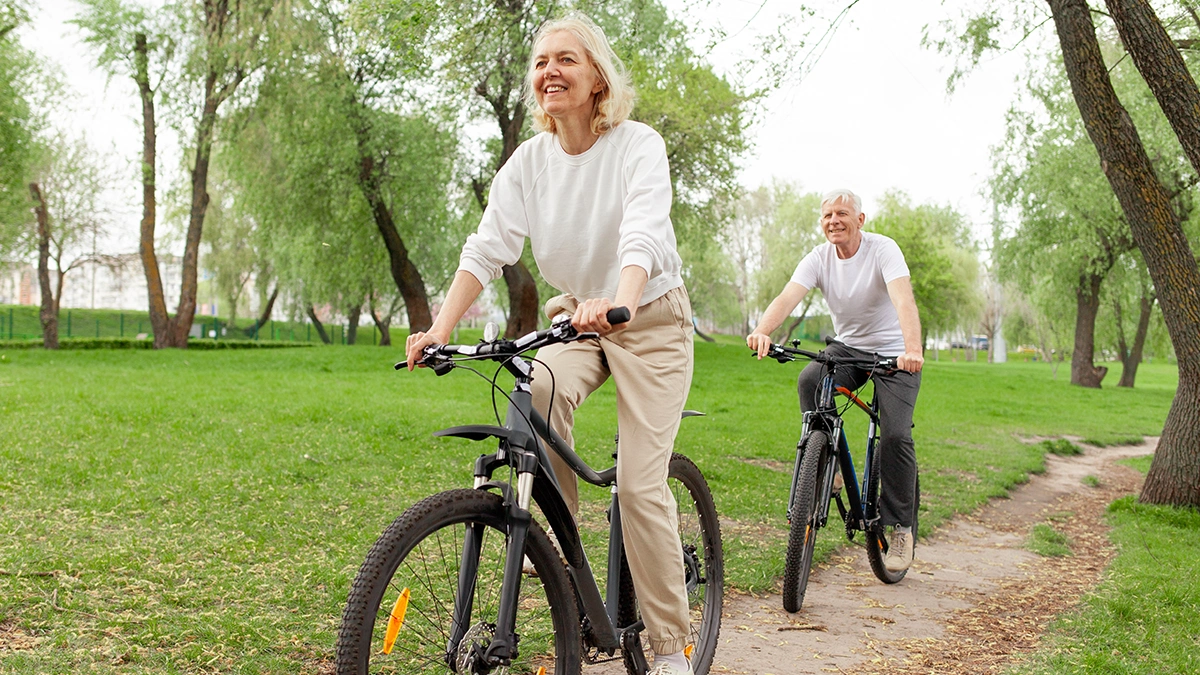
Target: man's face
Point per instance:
(840, 222)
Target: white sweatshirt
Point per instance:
(587, 216)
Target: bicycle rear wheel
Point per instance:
(704, 567)
(398, 617)
(877, 543)
(802, 531)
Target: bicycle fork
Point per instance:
(503, 646)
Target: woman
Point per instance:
(592, 192)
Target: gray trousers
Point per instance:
(897, 396)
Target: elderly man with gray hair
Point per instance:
(869, 293)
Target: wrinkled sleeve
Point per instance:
(502, 230)
(808, 272)
(647, 237)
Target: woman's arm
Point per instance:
(462, 293)
(590, 314)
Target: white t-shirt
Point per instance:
(587, 216)
(856, 291)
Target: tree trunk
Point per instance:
(352, 323)
(523, 304)
(522, 301)
(159, 321)
(312, 315)
(1174, 476)
(385, 331)
(1161, 65)
(49, 311)
(265, 316)
(1131, 360)
(1084, 372)
(404, 272)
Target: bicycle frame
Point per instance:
(860, 514)
(519, 448)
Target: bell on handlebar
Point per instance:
(491, 331)
(560, 319)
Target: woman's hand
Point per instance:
(590, 317)
(416, 343)
(759, 342)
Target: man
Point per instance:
(869, 293)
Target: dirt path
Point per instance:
(973, 599)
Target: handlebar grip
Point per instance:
(617, 315)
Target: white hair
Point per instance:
(842, 195)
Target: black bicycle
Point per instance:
(822, 452)
(443, 589)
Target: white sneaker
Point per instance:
(900, 551)
(668, 669)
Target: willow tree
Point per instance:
(193, 54)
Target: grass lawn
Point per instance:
(198, 511)
(1143, 616)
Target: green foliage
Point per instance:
(941, 259)
(1048, 542)
(1142, 618)
(148, 343)
(1090, 481)
(19, 124)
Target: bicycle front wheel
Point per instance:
(704, 567)
(802, 531)
(399, 617)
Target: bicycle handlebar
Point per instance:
(784, 354)
(438, 357)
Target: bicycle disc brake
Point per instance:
(472, 647)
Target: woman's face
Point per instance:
(564, 81)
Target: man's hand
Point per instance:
(760, 343)
(910, 362)
(590, 317)
(416, 343)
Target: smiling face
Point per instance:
(564, 81)
(842, 224)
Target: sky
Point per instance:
(872, 115)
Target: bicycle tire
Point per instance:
(420, 552)
(877, 544)
(802, 531)
(700, 536)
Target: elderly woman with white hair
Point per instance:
(592, 193)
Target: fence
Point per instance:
(21, 322)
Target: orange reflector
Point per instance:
(541, 670)
(687, 651)
(395, 621)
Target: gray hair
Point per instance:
(842, 195)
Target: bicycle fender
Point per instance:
(561, 523)
(475, 432)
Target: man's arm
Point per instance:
(901, 293)
(777, 312)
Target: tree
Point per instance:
(70, 218)
(19, 124)
(345, 181)
(219, 46)
(1174, 476)
(794, 231)
(942, 261)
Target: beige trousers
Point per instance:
(651, 363)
